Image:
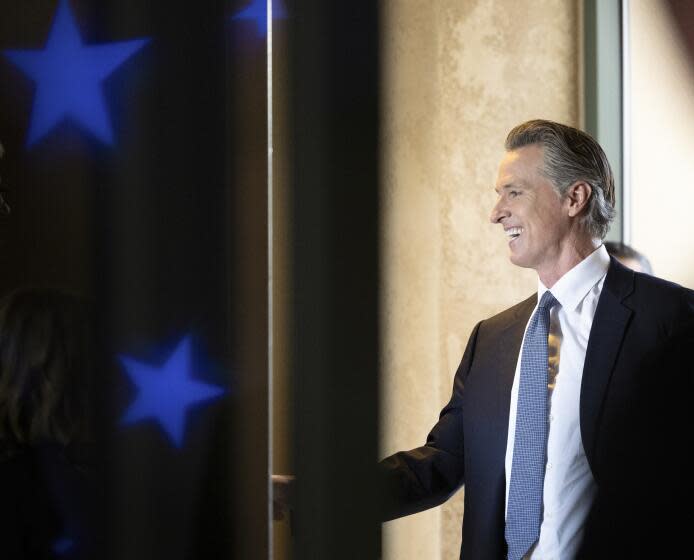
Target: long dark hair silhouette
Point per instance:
(46, 422)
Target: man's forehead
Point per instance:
(517, 165)
(534, 153)
(510, 175)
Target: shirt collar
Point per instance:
(571, 288)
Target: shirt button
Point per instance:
(551, 417)
(548, 515)
(549, 466)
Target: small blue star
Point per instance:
(69, 77)
(257, 11)
(166, 392)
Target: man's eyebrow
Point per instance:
(506, 187)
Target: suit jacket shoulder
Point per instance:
(498, 339)
(502, 320)
(666, 303)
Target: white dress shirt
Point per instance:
(569, 487)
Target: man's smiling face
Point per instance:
(533, 215)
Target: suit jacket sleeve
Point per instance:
(427, 476)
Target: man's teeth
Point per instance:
(514, 232)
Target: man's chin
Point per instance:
(519, 260)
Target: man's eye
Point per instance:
(513, 194)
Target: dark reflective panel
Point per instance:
(135, 178)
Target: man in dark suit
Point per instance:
(568, 421)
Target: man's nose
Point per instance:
(498, 212)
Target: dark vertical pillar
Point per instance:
(248, 226)
(335, 194)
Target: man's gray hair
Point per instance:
(571, 155)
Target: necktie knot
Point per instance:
(548, 300)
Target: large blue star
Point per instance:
(166, 392)
(257, 11)
(69, 77)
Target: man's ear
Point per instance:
(577, 197)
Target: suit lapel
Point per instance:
(512, 338)
(605, 340)
(507, 349)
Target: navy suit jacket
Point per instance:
(634, 419)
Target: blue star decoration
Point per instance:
(257, 11)
(166, 392)
(69, 77)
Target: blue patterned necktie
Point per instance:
(524, 511)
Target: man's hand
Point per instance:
(282, 495)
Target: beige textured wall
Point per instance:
(458, 75)
(662, 140)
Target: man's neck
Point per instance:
(569, 256)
